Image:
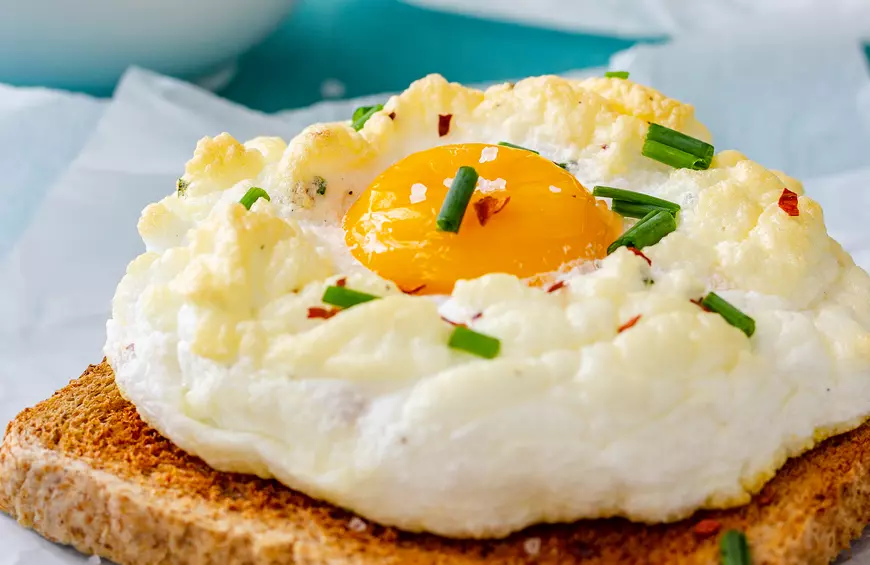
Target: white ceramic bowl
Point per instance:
(87, 44)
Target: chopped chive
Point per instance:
(254, 193)
(679, 141)
(672, 156)
(616, 74)
(631, 210)
(677, 149)
(345, 297)
(473, 342)
(733, 549)
(632, 197)
(181, 186)
(457, 199)
(320, 183)
(506, 144)
(512, 146)
(362, 114)
(649, 231)
(732, 315)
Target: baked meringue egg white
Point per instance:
(612, 391)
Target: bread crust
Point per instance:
(81, 468)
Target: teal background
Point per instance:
(375, 46)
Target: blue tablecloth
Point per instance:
(373, 46)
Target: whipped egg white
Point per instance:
(210, 336)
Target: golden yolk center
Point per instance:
(550, 219)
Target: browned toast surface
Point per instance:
(82, 468)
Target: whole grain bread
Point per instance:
(81, 468)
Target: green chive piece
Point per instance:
(254, 193)
(649, 231)
(631, 210)
(345, 297)
(511, 145)
(672, 156)
(457, 199)
(616, 74)
(320, 183)
(473, 342)
(632, 197)
(362, 114)
(677, 149)
(506, 144)
(733, 549)
(732, 315)
(181, 186)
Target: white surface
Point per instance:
(57, 283)
(89, 43)
(50, 124)
(642, 19)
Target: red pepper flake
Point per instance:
(556, 286)
(444, 124)
(628, 324)
(392, 115)
(414, 290)
(489, 206)
(477, 316)
(640, 254)
(131, 347)
(604, 147)
(698, 302)
(707, 528)
(322, 313)
(788, 201)
(765, 498)
(341, 282)
(452, 323)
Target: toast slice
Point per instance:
(83, 469)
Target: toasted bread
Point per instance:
(83, 469)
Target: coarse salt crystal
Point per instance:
(448, 181)
(94, 560)
(555, 189)
(532, 546)
(488, 154)
(418, 193)
(485, 186)
(357, 524)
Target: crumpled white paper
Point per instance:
(57, 281)
(650, 18)
(37, 122)
(790, 101)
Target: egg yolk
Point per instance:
(550, 219)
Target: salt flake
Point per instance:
(357, 524)
(485, 186)
(418, 193)
(532, 546)
(488, 154)
(555, 189)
